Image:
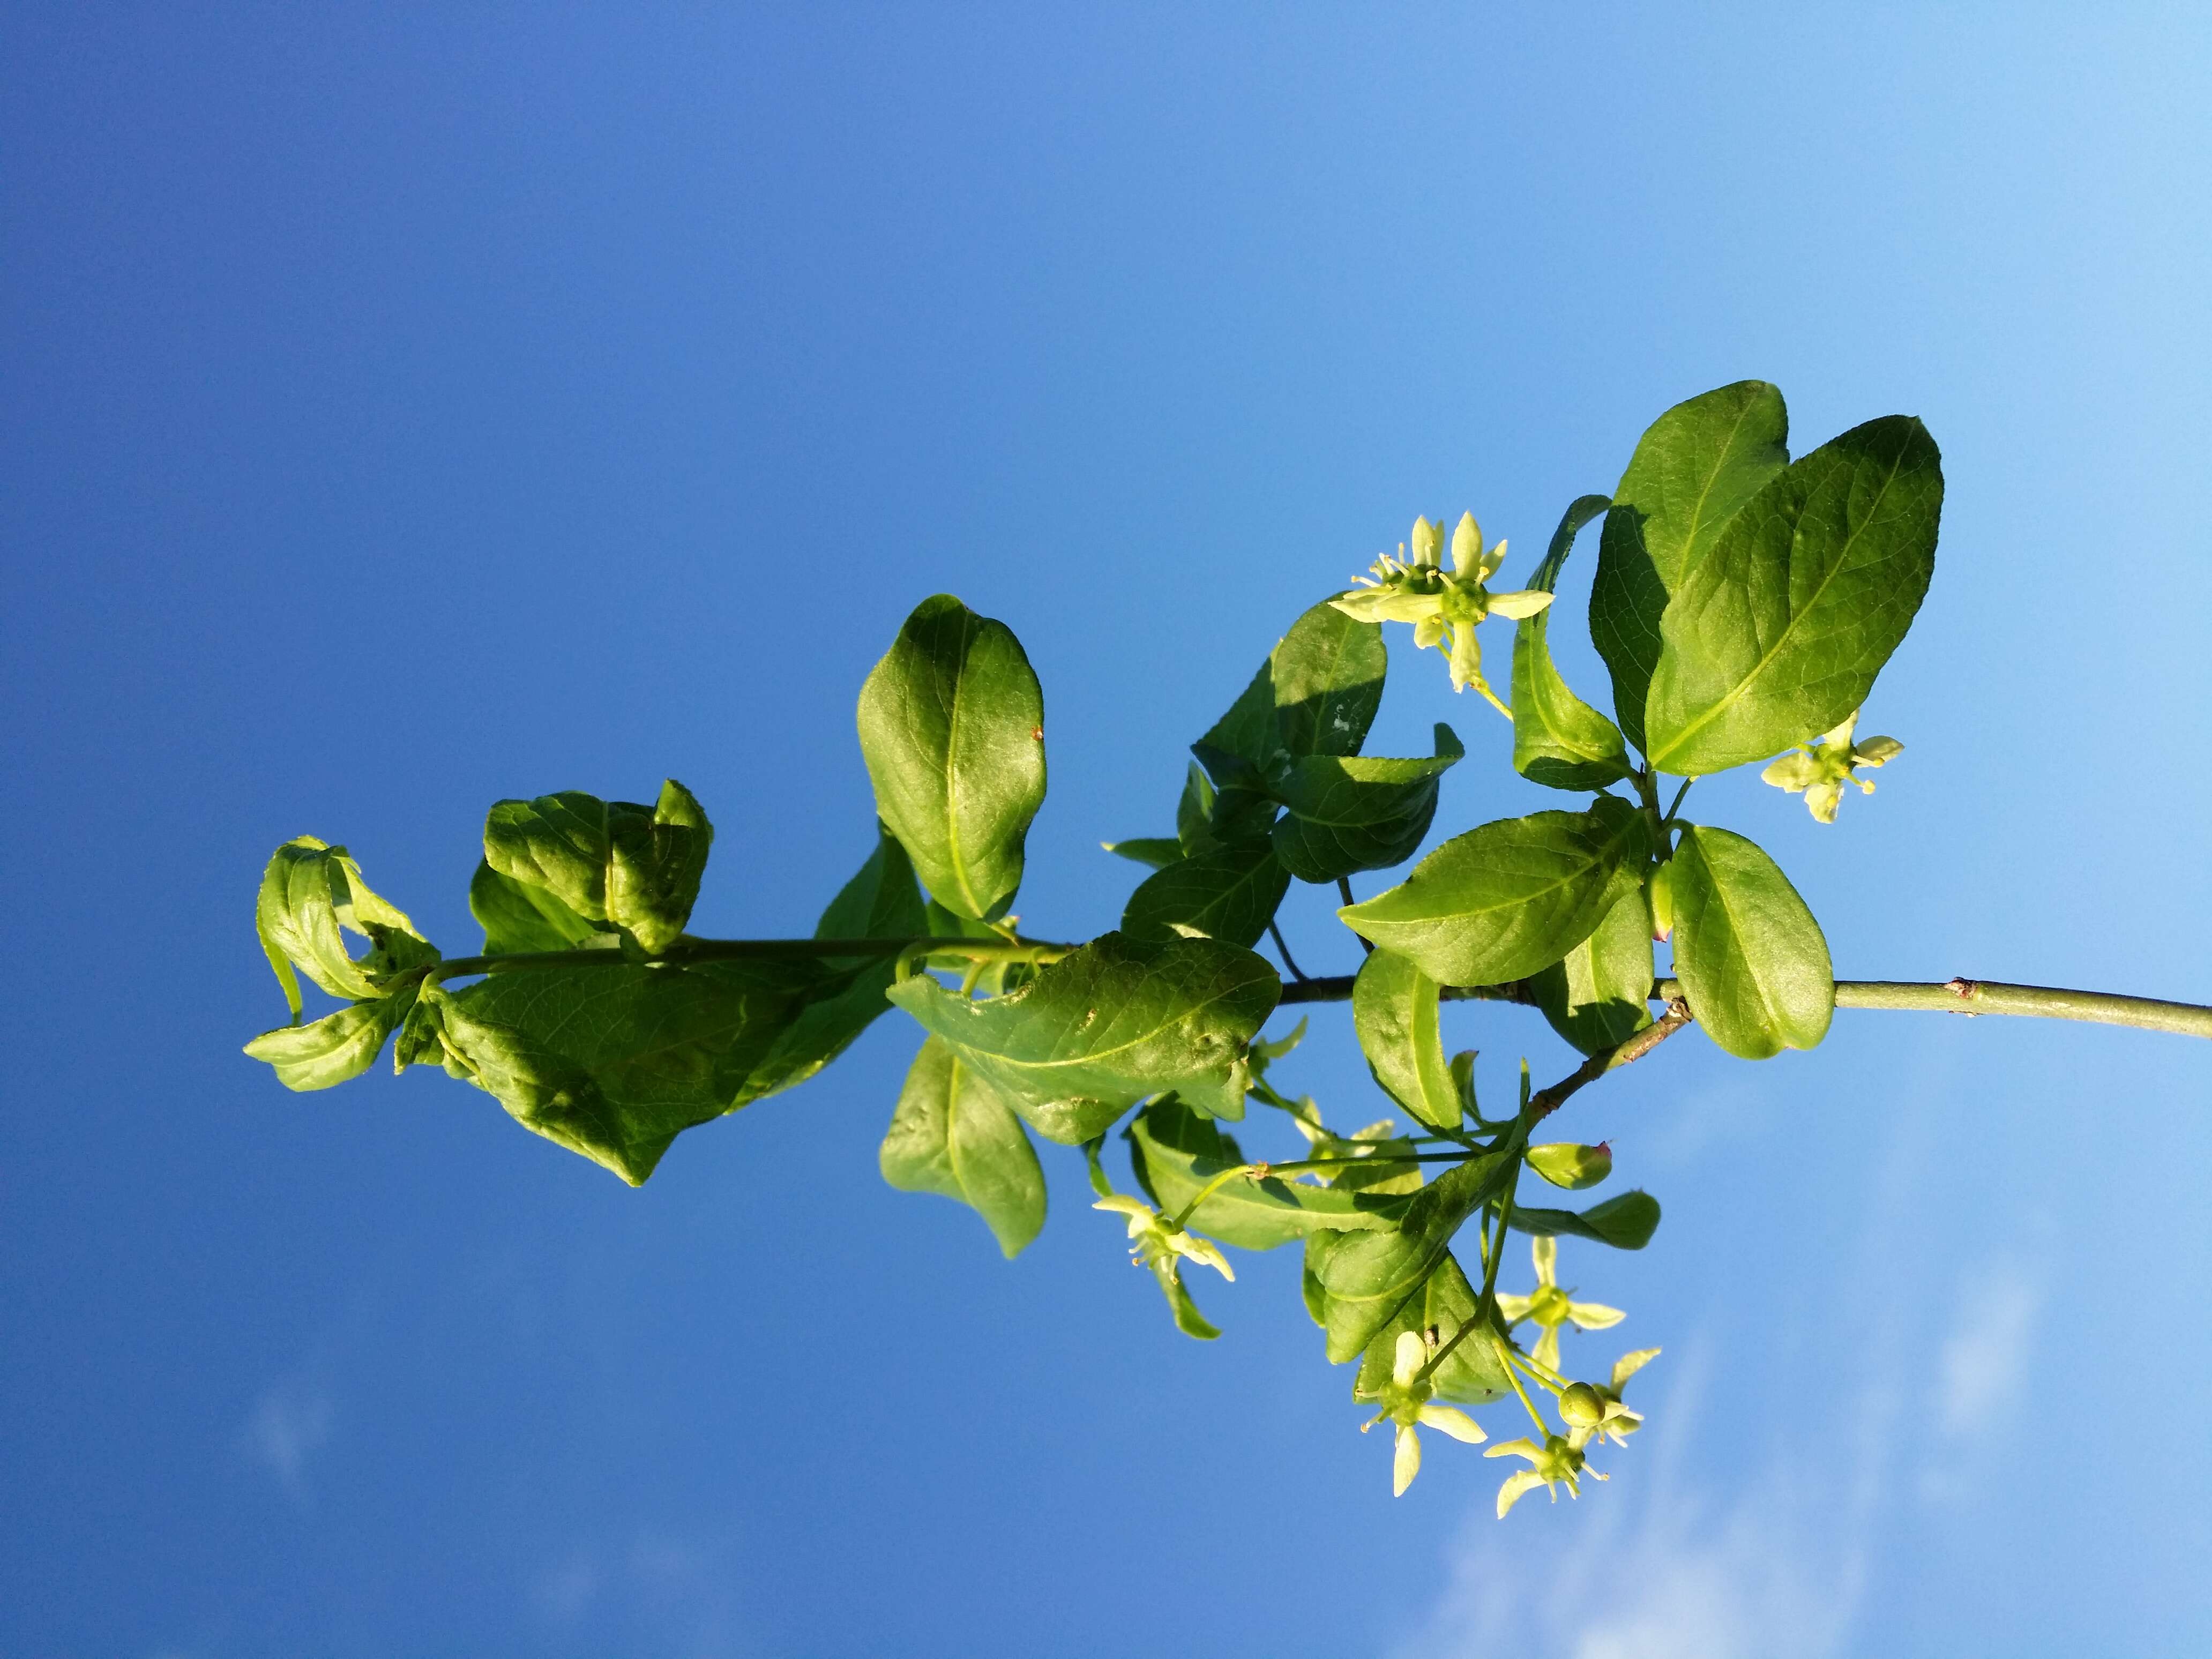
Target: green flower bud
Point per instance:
(1659, 887)
(1581, 1407)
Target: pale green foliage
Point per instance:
(1743, 606)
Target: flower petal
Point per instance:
(1594, 1315)
(1449, 1419)
(1547, 1350)
(1514, 1308)
(1517, 1483)
(1629, 1364)
(1525, 603)
(1405, 1461)
(1523, 1446)
(1466, 545)
(1407, 1358)
(1545, 1252)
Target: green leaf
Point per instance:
(518, 918)
(1100, 1030)
(1157, 851)
(1348, 813)
(654, 865)
(1567, 1164)
(1366, 1278)
(879, 901)
(1470, 1375)
(334, 1049)
(1694, 469)
(1508, 897)
(1393, 1009)
(952, 729)
(615, 1062)
(312, 895)
(1231, 893)
(634, 867)
(1558, 738)
(1626, 1222)
(1777, 633)
(1176, 1152)
(1315, 695)
(1599, 994)
(953, 1135)
(1752, 960)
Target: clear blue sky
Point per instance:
(408, 407)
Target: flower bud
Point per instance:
(1581, 1407)
(1659, 887)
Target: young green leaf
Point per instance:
(953, 1135)
(1102, 1029)
(1393, 1009)
(1231, 893)
(1626, 1222)
(1315, 695)
(1569, 1164)
(1176, 1153)
(1471, 1374)
(1599, 994)
(615, 1062)
(334, 1049)
(634, 867)
(1777, 633)
(654, 862)
(312, 895)
(1367, 1277)
(1347, 813)
(952, 729)
(1511, 897)
(1558, 739)
(1694, 467)
(1751, 959)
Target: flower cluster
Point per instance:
(1822, 767)
(1444, 606)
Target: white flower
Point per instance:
(1822, 767)
(1405, 1403)
(1550, 1306)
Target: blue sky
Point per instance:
(415, 406)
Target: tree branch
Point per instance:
(1953, 996)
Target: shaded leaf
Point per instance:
(518, 918)
(1626, 1222)
(1777, 633)
(1315, 695)
(613, 1062)
(1558, 738)
(1100, 1030)
(1471, 1374)
(1344, 814)
(880, 901)
(951, 725)
(1394, 1011)
(1599, 994)
(1511, 897)
(1231, 893)
(1694, 469)
(1752, 962)
(953, 1135)
(1156, 850)
(1176, 1152)
(1366, 1278)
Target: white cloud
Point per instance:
(288, 1424)
(1652, 1567)
(1984, 1361)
